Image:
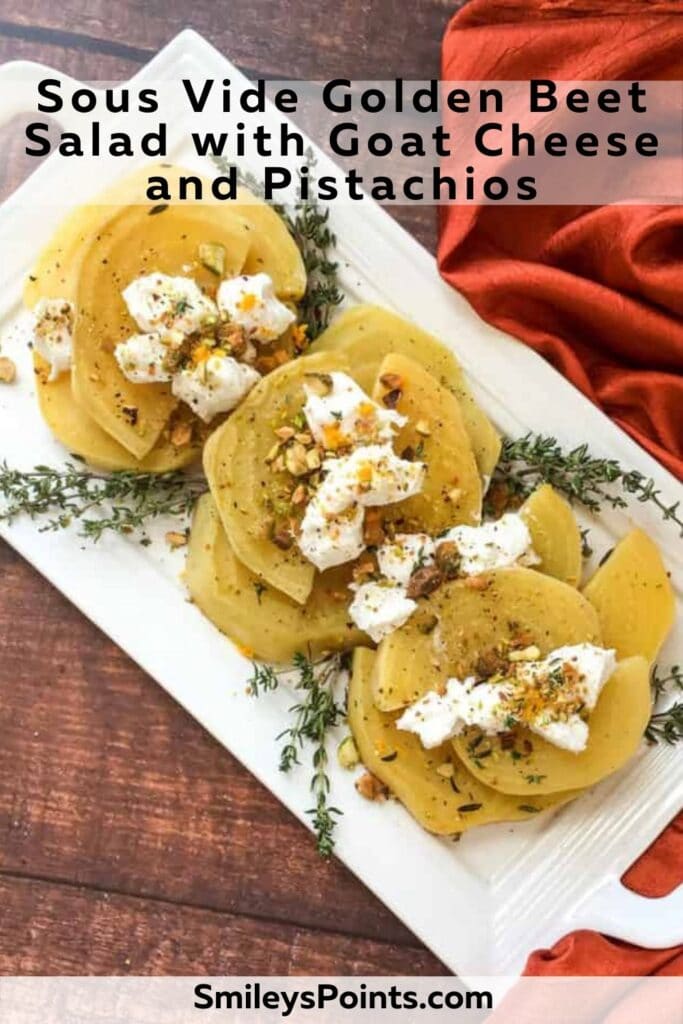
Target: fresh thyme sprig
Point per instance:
(673, 680)
(666, 726)
(313, 716)
(124, 501)
(309, 227)
(536, 458)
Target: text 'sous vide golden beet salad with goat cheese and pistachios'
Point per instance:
(354, 511)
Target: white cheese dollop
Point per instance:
(148, 358)
(495, 545)
(160, 303)
(380, 608)
(52, 333)
(332, 526)
(371, 475)
(491, 546)
(397, 558)
(437, 717)
(216, 385)
(329, 540)
(250, 301)
(345, 415)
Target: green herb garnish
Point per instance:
(309, 227)
(535, 459)
(313, 716)
(124, 501)
(666, 726)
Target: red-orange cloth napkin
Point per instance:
(598, 291)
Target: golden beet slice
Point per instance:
(366, 334)
(436, 434)
(81, 435)
(262, 621)
(633, 597)
(555, 534)
(434, 785)
(246, 489)
(523, 763)
(464, 620)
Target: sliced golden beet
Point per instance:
(96, 243)
(435, 432)
(465, 620)
(246, 489)
(134, 242)
(272, 250)
(555, 534)
(262, 621)
(81, 435)
(633, 597)
(433, 785)
(366, 334)
(526, 764)
(58, 266)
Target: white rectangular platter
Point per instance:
(481, 905)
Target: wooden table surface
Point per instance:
(131, 842)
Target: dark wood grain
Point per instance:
(129, 840)
(104, 781)
(76, 931)
(278, 38)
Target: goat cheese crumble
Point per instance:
(340, 414)
(371, 475)
(53, 322)
(149, 358)
(565, 683)
(215, 385)
(494, 545)
(160, 303)
(250, 301)
(168, 310)
(378, 608)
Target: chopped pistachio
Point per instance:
(8, 371)
(273, 453)
(347, 753)
(531, 653)
(295, 460)
(313, 459)
(175, 539)
(212, 256)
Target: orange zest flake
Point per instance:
(334, 437)
(365, 473)
(201, 353)
(247, 652)
(247, 302)
(300, 336)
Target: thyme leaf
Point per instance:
(593, 482)
(666, 726)
(673, 680)
(309, 226)
(121, 502)
(313, 715)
